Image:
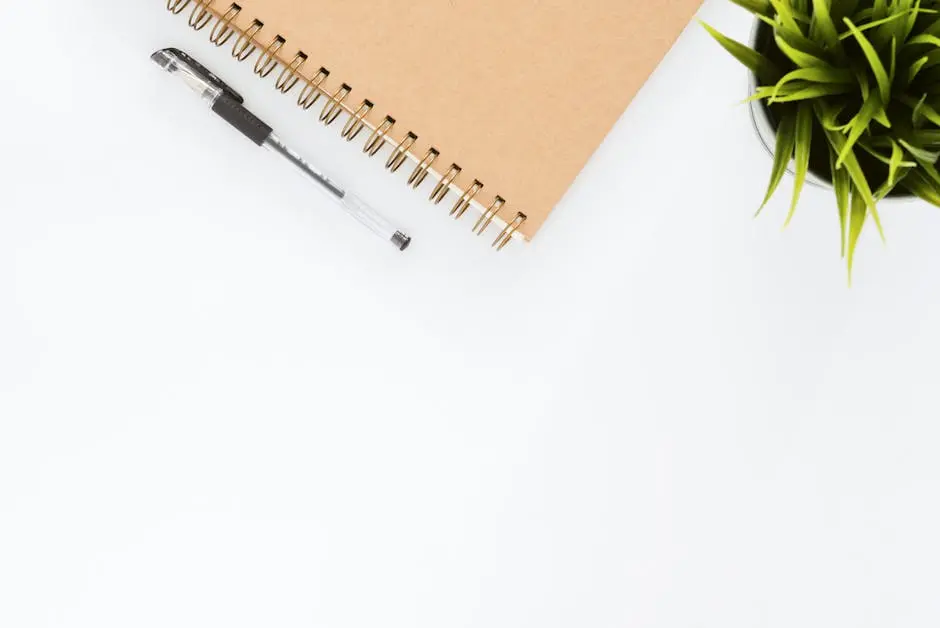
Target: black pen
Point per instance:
(229, 105)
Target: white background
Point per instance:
(225, 404)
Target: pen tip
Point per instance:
(401, 240)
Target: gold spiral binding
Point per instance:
(484, 221)
(400, 155)
(420, 172)
(245, 44)
(289, 75)
(443, 186)
(356, 122)
(200, 15)
(223, 30)
(176, 6)
(505, 236)
(268, 59)
(311, 91)
(334, 106)
(463, 203)
(292, 73)
(377, 140)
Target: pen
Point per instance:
(229, 105)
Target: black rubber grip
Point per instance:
(248, 123)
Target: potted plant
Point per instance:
(851, 89)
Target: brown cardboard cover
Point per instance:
(519, 93)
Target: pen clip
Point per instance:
(203, 73)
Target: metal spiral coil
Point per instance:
(376, 141)
(247, 42)
(201, 15)
(356, 122)
(334, 106)
(505, 236)
(484, 221)
(176, 6)
(311, 91)
(420, 173)
(223, 30)
(443, 186)
(268, 59)
(464, 202)
(400, 155)
(290, 74)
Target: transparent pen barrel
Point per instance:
(358, 209)
(353, 205)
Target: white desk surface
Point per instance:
(224, 404)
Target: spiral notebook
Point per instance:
(499, 104)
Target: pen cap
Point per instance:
(200, 80)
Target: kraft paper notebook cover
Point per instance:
(500, 103)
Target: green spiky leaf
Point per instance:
(816, 75)
(802, 58)
(859, 181)
(871, 55)
(757, 63)
(922, 187)
(842, 185)
(857, 216)
(896, 162)
(921, 154)
(859, 80)
(757, 7)
(783, 152)
(859, 125)
(824, 27)
(803, 140)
